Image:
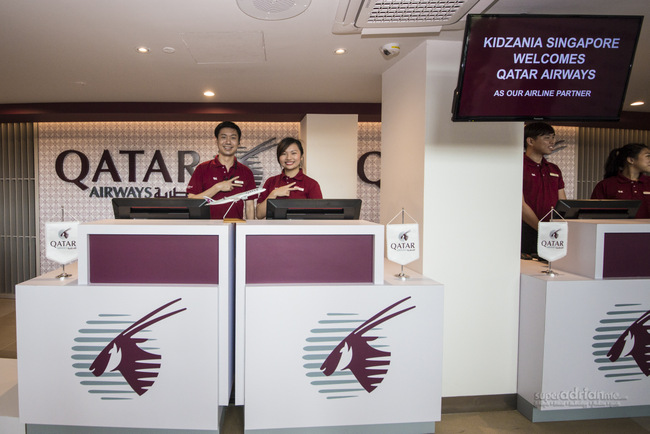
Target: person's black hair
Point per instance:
(285, 143)
(535, 130)
(227, 124)
(617, 158)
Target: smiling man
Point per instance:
(543, 183)
(224, 176)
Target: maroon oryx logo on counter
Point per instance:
(621, 345)
(123, 354)
(635, 342)
(355, 354)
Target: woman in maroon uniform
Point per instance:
(624, 177)
(292, 182)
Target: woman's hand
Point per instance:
(284, 191)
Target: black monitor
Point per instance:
(160, 208)
(313, 209)
(597, 208)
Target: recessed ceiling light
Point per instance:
(143, 50)
(273, 10)
(208, 93)
(636, 103)
(340, 51)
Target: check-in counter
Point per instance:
(583, 333)
(139, 337)
(328, 338)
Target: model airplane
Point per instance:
(234, 198)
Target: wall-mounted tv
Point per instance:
(545, 67)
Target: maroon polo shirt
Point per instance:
(311, 189)
(212, 172)
(541, 185)
(620, 187)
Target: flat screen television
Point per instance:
(313, 209)
(160, 208)
(597, 208)
(545, 67)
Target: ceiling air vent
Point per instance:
(403, 16)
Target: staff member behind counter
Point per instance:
(224, 176)
(543, 183)
(624, 177)
(292, 182)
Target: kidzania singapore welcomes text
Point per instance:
(567, 63)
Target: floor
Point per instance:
(490, 422)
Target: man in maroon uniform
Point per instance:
(224, 176)
(543, 183)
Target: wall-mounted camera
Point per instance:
(390, 49)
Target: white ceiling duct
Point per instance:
(399, 16)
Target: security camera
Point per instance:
(390, 49)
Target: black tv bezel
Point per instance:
(571, 209)
(516, 118)
(160, 208)
(313, 209)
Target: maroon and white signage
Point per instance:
(545, 67)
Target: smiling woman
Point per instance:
(292, 183)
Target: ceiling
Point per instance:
(74, 51)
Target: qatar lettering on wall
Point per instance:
(545, 67)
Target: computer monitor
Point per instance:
(597, 208)
(160, 208)
(313, 209)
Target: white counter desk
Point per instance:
(328, 342)
(580, 354)
(139, 337)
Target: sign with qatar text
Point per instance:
(61, 242)
(402, 243)
(552, 240)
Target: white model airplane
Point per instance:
(235, 197)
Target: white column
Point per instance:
(330, 143)
(463, 183)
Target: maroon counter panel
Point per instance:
(309, 259)
(153, 259)
(626, 255)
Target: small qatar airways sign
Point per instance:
(552, 240)
(61, 242)
(402, 243)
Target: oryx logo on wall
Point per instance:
(623, 343)
(109, 358)
(341, 360)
